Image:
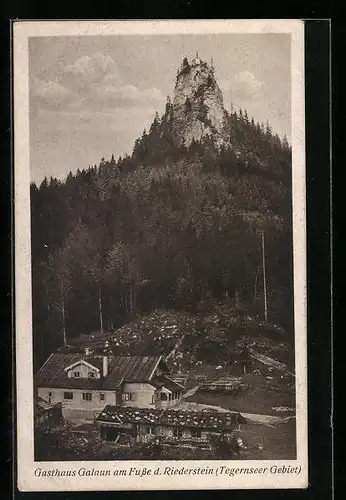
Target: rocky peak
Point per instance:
(198, 108)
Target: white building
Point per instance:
(85, 384)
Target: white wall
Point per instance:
(164, 431)
(77, 402)
(187, 433)
(83, 371)
(166, 404)
(143, 394)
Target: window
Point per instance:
(87, 396)
(178, 432)
(127, 396)
(91, 374)
(150, 430)
(76, 374)
(196, 433)
(102, 396)
(153, 399)
(50, 394)
(163, 396)
(68, 395)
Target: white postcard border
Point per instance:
(26, 467)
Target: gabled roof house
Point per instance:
(85, 384)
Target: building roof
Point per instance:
(120, 368)
(213, 421)
(168, 383)
(41, 406)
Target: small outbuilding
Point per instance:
(47, 414)
(144, 424)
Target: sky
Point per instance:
(92, 96)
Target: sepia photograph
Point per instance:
(159, 169)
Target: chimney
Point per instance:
(105, 365)
(87, 351)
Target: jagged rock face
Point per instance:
(198, 108)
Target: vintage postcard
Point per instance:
(160, 273)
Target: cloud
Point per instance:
(93, 68)
(244, 86)
(93, 82)
(89, 71)
(112, 79)
(51, 94)
(126, 95)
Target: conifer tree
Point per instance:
(285, 142)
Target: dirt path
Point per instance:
(258, 418)
(190, 406)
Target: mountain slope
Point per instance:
(174, 225)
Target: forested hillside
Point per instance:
(167, 227)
